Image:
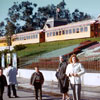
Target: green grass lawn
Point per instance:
(40, 48)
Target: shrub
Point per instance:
(19, 47)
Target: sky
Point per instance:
(91, 7)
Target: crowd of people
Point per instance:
(68, 73)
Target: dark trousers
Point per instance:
(38, 90)
(13, 89)
(76, 88)
(1, 93)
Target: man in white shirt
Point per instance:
(11, 73)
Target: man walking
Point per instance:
(37, 80)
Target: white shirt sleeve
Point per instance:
(82, 70)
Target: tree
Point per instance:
(10, 30)
(2, 30)
(22, 12)
(23, 18)
(79, 16)
(56, 11)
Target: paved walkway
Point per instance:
(51, 88)
(29, 95)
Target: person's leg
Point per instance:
(63, 96)
(14, 90)
(67, 96)
(9, 91)
(40, 93)
(74, 92)
(36, 93)
(1, 93)
(78, 91)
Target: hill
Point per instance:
(33, 51)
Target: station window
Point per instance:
(85, 29)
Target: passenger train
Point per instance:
(81, 29)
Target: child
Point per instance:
(3, 83)
(37, 80)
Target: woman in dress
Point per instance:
(63, 80)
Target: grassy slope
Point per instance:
(36, 49)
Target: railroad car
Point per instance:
(81, 29)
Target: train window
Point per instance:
(85, 29)
(63, 32)
(70, 31)
(36, 36)
(73, 30)
(59, 32)
(50, 33)
(77, 30)
(66, 31)
(81, 29)
(31, 36)
(47, 34)
(56, 33)
(53, 33)
(19, 38)
(28, 37)
(22, 38)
